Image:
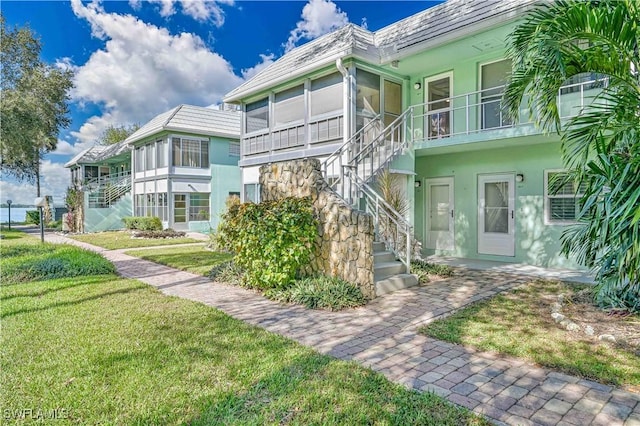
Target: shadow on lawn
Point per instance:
(71, 302)
(67, 285)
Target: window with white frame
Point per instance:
(139, 154)
(140, 209)
(251, 192)
(326, 95)
(150, 156)
(257, 115)
(151, 205)
(163, 207)
(190, 152)
(562, 197)
(289, 106)
(198, 206)
(161, 148)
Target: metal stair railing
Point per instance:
(350, 169)
(105, 192)
(390, 226)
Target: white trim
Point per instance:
(440, 240)
(497, 243)
(547, 205)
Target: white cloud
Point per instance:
(265, 61)
(318, 18)
(200, 10)
(54, 181)
(144, 70)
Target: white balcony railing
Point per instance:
(483, 110)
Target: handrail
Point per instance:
(396, 240)
(346, 148)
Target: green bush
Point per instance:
(271, 240)
(48, 261)
(32, 217)
(320, 292)
(143, 223)
(423, 269)
(227, 272)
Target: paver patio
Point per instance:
(383, 336)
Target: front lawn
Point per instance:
(194, 259)
(105, 350)
(519, 323)
(113, 240)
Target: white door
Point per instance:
(440, 213)
(496, 216)
(437, 95)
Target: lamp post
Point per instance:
(40, 203)
(9, 207)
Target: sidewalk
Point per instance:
(383, 336)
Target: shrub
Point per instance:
(227, 272)
(271, 240)
(320, 292)
(423, 269)
(143, 223)
(32, 217)
(167, 233)
(49, 261)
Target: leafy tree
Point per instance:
(33, 106)
(600, 146)
(114, 134)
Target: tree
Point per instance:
(114, 134)
(600, 146)
(33, 106)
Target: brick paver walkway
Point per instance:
(383, 336)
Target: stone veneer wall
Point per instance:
(344, 247)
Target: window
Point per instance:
(179, 208)
(251, 192)
(90, 172)
(150, 156)
(140, 205)
(562, 197)
(198, 206)
(289, 106)
(234, 149)
(161, 147)
(326, 94)
(163, 208)
(151, 205)
(139, 153)
(190, 153)
(257, 115)
(494, 76)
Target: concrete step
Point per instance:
(395, 283)
(383, 257)
(378, 247)
(384, 270)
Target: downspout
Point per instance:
(346, 100)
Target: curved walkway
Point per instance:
(383, 336)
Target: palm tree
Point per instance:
(601, 145)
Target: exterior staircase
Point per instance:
(106, 192)
(351, 170)
(389, 273)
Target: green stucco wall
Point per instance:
(536, 243)
(97, 220)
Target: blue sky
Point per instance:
(135, 59)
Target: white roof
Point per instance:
(191, 119)
(438, 23)
(98, 153)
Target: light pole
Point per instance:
(9, 207)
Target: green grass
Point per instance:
(24, 258)
(194, 259)
(115, 351)
(113, 240)
(517, 324)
